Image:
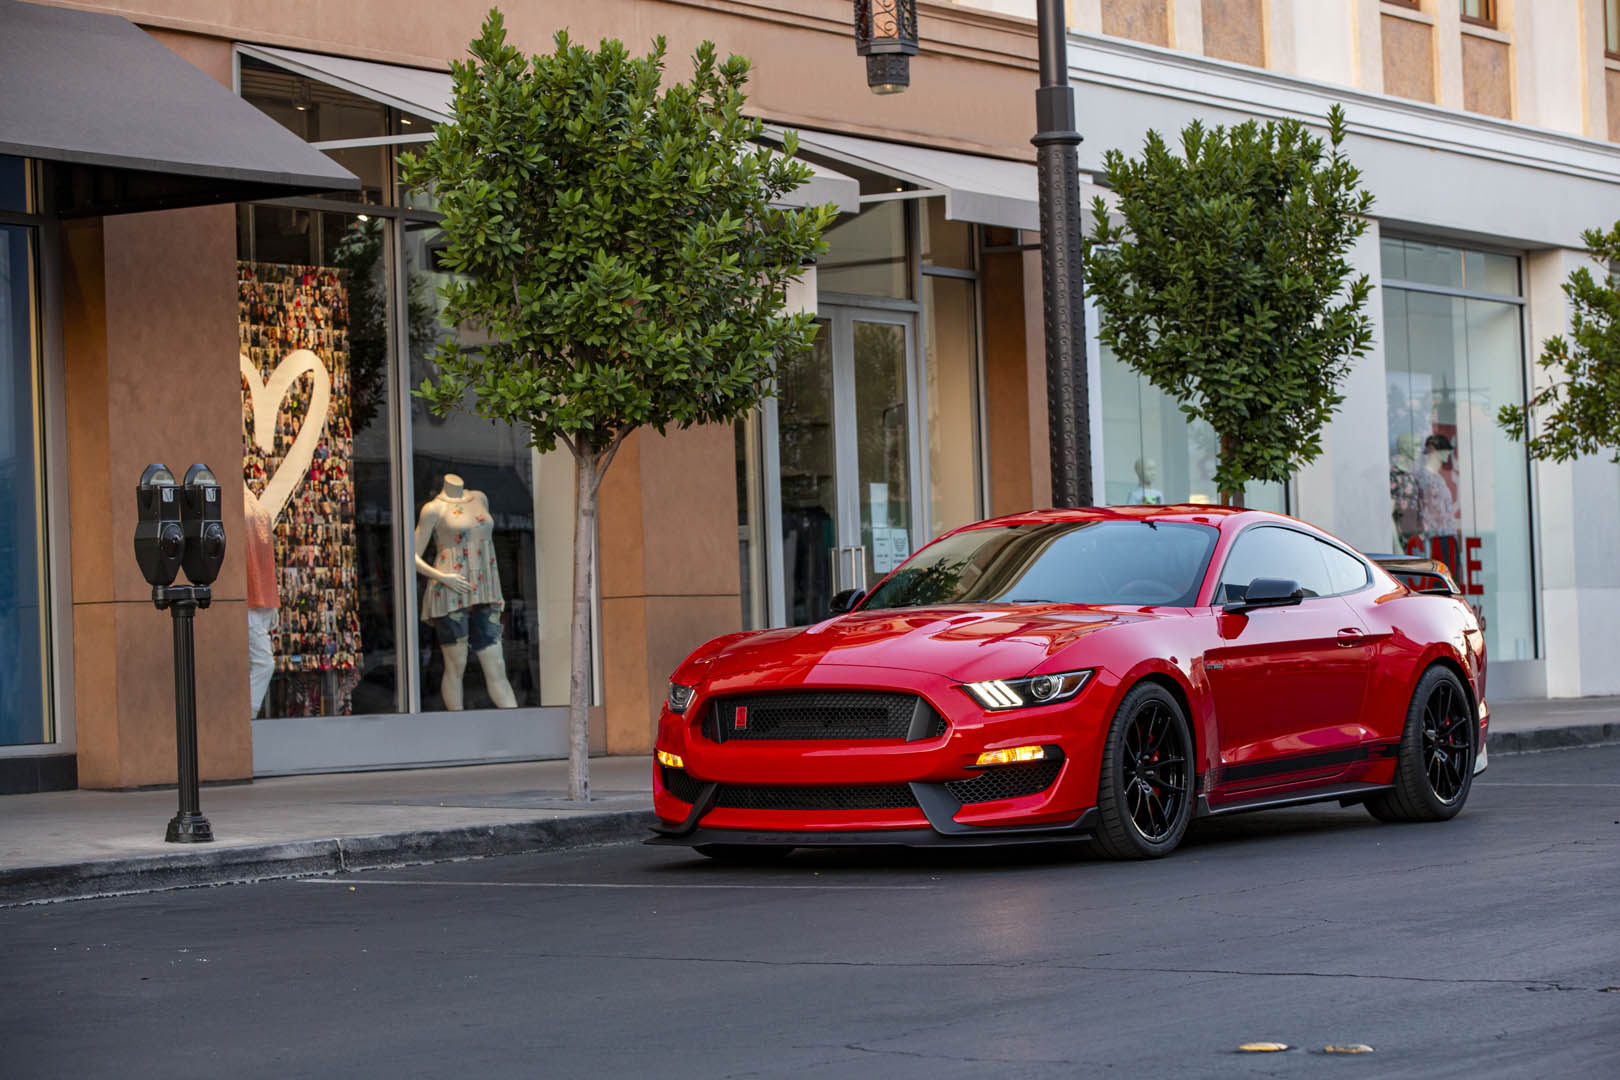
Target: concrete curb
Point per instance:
(260, 862)
(1552, 738)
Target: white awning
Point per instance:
(983, 190)
(429, 94)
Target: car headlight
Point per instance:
(679, 697)
(1022, 693)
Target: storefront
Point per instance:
(400, 593)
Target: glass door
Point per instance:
(846, 460)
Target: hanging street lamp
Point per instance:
(886, 34)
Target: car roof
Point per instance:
(1200, 513)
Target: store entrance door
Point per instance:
(847, 459)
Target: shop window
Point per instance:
(1459, 485)
(318, 112)
(867, 254)
(1152, 454)
(13, 184)
(24, 715)
(489, 512)
(313, 301)
(945, 243)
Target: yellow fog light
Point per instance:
(672, 760)
(1012, 755)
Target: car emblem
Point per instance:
(740, 721)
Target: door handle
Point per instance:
(1351, 635)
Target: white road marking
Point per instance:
(613, 885)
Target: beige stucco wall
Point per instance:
(1408, 51)
(1139, 20)
(1235, 30)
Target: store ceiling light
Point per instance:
(886, 34)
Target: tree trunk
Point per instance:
(579, 646)
(1229, 498)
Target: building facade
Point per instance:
(333, 643)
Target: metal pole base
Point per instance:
(189, 829)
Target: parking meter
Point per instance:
(159, 538)
(204, 531)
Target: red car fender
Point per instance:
(1194, 695)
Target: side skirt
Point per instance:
(1346, 794)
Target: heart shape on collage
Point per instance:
(265, 397)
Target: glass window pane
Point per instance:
(808, 481)
(1489, 273)
(1459, 485)
(750, 524)
(867, 254)
(485, 529)
(13, 184)
(1153, 454)
(1611, 20)
(883, 445)
(24, 717)
(1345, 573)
(314, 306)
(319, 112)
(1430, 264)
(945, 243)
(950, 372)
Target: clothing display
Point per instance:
(297, 455)
(463, 595)
(464, 533)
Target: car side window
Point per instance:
(1346, 572)
(1272, 552)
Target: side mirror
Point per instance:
(1265, 592)
(844, 602)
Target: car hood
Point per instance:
(959, 642)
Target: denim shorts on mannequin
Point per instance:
(478, 626)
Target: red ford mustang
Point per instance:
(1100, 673)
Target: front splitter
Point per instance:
(1067, 832)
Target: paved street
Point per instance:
(1489, 946)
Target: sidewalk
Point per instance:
(72, 844)
(69, 844)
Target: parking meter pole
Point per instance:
(188, 825)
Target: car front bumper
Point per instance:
(931, 816)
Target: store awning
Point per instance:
(132, 126)
(421, 93)
(984, 190)
(428, 94)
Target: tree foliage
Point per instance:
(615, 241)
(1228, 284)
(619, 245)
(1582, 401)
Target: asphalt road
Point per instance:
(1487, 946)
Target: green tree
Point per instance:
(1582, 402)
(623, 248)
(1228, 284)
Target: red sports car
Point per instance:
(1100, 673)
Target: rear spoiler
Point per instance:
(1419, 574)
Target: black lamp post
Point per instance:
(1068, 399)
(886, 34)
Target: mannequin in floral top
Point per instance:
(463, 597)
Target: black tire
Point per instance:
(743, 853)
(1434, 769)
(1145, 787)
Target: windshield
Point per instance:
(1068, 562)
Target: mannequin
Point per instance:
(1439, 507)
(263, 597)
(463, 598)
(1147, 476)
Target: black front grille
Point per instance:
(829, 797)
(1006, 782)
(681, 784)
(823, 714)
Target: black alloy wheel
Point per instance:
(1145, 790)
(1435, 766)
